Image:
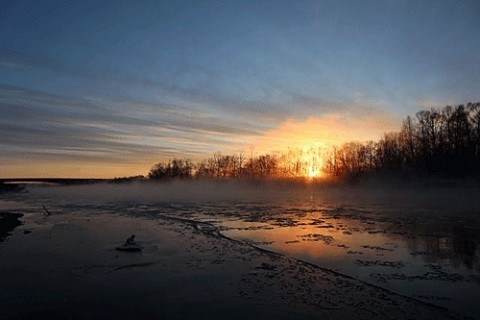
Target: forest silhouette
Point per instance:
(436, 142)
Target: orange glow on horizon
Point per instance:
(326, 131)
(71, 170)
(307, 142)
(301, 146)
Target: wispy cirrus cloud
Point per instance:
(108, 129)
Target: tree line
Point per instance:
(442, 141)
(219, 166)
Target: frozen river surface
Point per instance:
(419, 242)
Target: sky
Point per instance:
(109, 88)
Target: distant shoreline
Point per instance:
(12, 185)
(61, 181)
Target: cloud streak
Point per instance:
(44, 122)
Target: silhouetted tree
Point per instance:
(409, 141)
(206, 169)
(262, 166)
(474, 117)
(174, 169)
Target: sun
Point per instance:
(302, 146)
(312, 158)
(312, 172)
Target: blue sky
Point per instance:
(108, 88)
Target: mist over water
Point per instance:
(448, 200)
(420, 241)
(174, 191)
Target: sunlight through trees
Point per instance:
(435, 142)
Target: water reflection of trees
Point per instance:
(455, 245)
